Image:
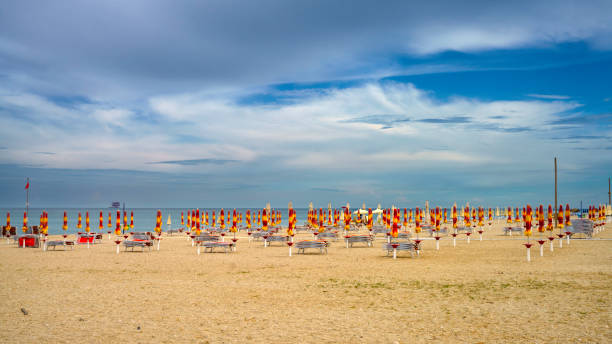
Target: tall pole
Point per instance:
(27, 196)
(556, 192)
(609, 194)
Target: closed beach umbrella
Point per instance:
(321, 221)
(182, 219)
(87, 229)
(125, 223)
(65, 226)
(445, 216)
(490, 214)
(110, 221)
(528, 221)
(222, 219)
(207, 219)
(438, 217)
(213, 222)
(410, 215)
(158, 222)
(234, 221)
(560, 217)
(79, 225)
(568, 214)
(101, 225)
(131, 220)
(455, 215)
(248, 219)
(395, 227)
(347, 219)
(370, 219)
(509, 215)
(264, 220)
(8, 221)
(405, 217)
(549, 227)
(417, 221)
(118, 224)
(541, 219)
(517, 215)
(198, 229)
(188, 221)
(466, 219)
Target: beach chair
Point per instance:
(139, 239)
(511, 230)
(400, 246)
(581, 226)
(277, 238)
(60, 243)
(211, 245)
(321, 245)
(352, 239)
(333, 235)
(206, 237)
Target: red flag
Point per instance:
(27, 185)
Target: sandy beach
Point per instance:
(482, 292)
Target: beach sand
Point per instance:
(481, 292)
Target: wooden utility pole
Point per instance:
(556, 215)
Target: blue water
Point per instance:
(144, 218)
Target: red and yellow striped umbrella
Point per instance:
(490, 214)
(480, 216)
(455, 216)
(207, 219)
(118, 224)
(568, 214)
(410, 215)
(198, 228)
(126, 227)
(65, 226)
(79, 225)
(445, 216)
(528, 217)
(541, 219)
(466, 218)
(222, 219)
(110, 221)
(213, 222)
(131, 220)
(438, 217)
(417, 220)
(87, 229)
(8, 221)
(321, 221)
(347, 219)
(549, 227)
(291, 226)
(264, 219)
(517, 215)
(101, 225)
(509, 215)
(370, 219)
(395, 226)
(560, 217)
(182, 219)
(234, 222)
(258, 218)
(158, 222)
(405, 217)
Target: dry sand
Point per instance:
(481, 292)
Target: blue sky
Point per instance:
(236, 103)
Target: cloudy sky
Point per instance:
(235, 103)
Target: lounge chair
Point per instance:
(316, 244)
(581, 226)
(328, 235)
(61, 243)
(510, 230)
(277, 238)
(351, 239)
(400, 246)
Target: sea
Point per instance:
(144, 218)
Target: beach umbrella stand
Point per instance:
(528, 246)
(290, 244)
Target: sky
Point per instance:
(239, 103)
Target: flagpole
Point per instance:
(27, 196)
